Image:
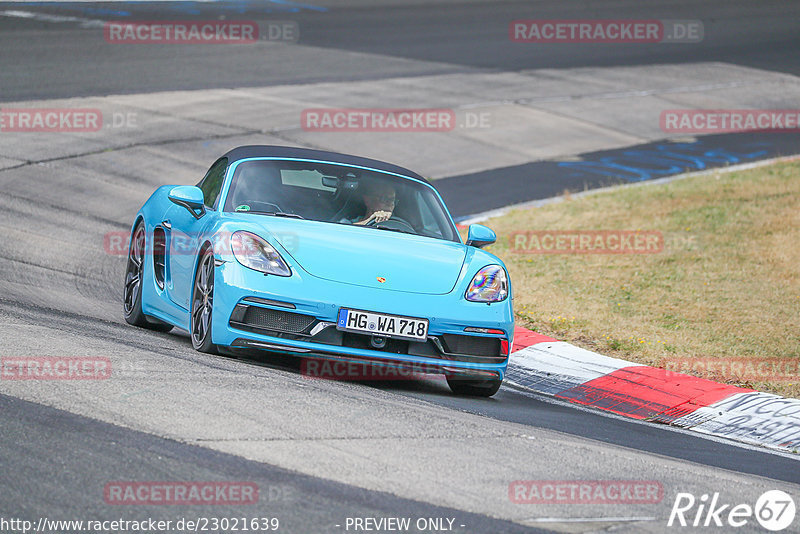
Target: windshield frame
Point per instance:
(222, 199)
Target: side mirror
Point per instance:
(479, 236)
(190, 197)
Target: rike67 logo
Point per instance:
(774, 510)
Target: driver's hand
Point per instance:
(377, 217)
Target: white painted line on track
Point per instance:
(586, 519)
(57, 19)
(127, 2)
(288, 4)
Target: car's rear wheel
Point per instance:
(134, 281)
(203, 304)
(473, 388)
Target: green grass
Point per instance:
(727, 284)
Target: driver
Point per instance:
(379, 199)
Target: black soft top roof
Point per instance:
(261, 151)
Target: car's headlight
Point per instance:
(255, 253)
(489, 285)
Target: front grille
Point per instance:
(297, 326)
(281, 321)
(471, 345)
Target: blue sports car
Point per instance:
(322, 255)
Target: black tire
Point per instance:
(132, 290)
(203, 304)
(473, 388)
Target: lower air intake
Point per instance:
(281, 321)
(471, 345)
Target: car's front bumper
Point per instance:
(300, 296)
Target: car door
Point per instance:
(186, 232)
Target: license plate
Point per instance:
(381, 324)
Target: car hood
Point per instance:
(369, 257)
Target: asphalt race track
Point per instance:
(447, 36)
(466, 194)
(324, 452)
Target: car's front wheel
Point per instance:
(473, 388)
(203, 304)
(134, 281)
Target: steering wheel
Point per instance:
(395, 223)
(259, 202)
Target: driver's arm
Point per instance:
(377, 217)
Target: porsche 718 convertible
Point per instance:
(322, 255)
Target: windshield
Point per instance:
(338, 194)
